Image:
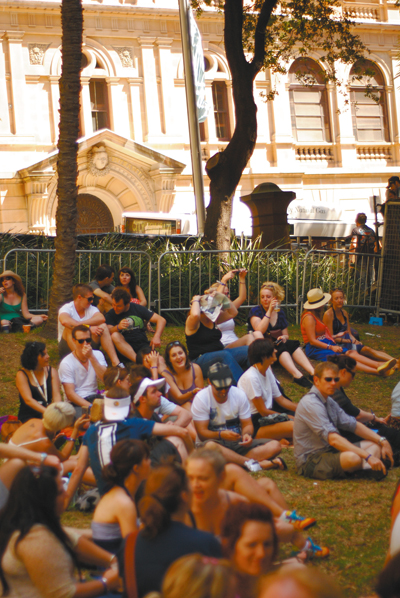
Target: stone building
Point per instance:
(134, 150)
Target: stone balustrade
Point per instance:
(314, 153)
(375, 152)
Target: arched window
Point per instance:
(217, 92)
(99, 104)
(369, 113)
(308, 102)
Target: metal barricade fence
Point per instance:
(183, 274)
(35, 266)
(356, 273)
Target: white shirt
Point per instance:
(221, 416)
(228, 332)
(71, 371)
(395, 411)
(255, 385)
(166, 407)
(69, 308)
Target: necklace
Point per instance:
(43, 391)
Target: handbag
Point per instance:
(273, 418)
(129, 566)
(275, 334)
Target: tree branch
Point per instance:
(260, 34)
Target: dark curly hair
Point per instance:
(124, 455)
(30, 354)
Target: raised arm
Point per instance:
(193, 319)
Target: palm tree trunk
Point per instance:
(67, 168)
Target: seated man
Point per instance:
(80, 311)
(80, 370)
(321, 452)
(125, 322)
(146, 399)
(102, 287)
(222, 418)
(101, 437)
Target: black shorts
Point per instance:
(290, 347)
(236, 447)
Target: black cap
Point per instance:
(394, 179)
(220, 375)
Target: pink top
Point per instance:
(321, 330)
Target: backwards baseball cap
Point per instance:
(145, 383)
(116, 409)
(220, 375)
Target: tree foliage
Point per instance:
(267, 34)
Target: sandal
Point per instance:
(278, 463)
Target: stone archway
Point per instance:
(93, 215)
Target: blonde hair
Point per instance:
(213, 456)
(314, 582)
(58, 416)
(212, 288)
(97, 411)
(196, 576)
(277, 291)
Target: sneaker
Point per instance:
(313, 551)
(385, 367)
(299, 523)
(252, 465)
(303, 381)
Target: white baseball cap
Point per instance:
(116, 409)
(145, 383)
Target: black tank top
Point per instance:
(25, 412)
(205, 340)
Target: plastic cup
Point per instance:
(26, 328)
(277, 307)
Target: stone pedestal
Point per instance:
(268, 206)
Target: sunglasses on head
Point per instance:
(174, 344)
(329, 379)
(83, 340)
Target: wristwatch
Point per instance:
(382, 439)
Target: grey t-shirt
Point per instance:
(107, 289)
(315, 418)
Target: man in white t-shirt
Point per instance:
(80, 311)
(222, 418)
(80, 370)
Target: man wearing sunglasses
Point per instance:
(82, 311)
(80, 370)
(321, 452)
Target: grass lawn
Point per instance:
(353, 516)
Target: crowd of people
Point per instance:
(167, 444)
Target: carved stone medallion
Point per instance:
(98, 161)
(93, 215)
(125, 55)
(36, 53)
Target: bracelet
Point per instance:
(220, 282)
(366, 460)
(105, 585)
(194, 301)
(113, 556)
(267, 316)
(219, 434)
(154, 367)
(43, 457)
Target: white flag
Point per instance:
(198, 69)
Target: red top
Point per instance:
(321, 330)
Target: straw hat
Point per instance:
(12, 274)
(316, 298)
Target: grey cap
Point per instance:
(220, 375)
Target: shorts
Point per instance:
(64, 350)
(323, 465)
(236, 447)
(322, 354)
(288, 347)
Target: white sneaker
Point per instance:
(253, 465)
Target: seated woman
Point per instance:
(38, 434)
(164, 536)
(319, 343)
(14, 304)
(126, 278)
(261, 388)
(116, 376)
(338, 321)
(269, 319)
(115, 515)
(184, 378)
(210, 500)
(250, 542)
(229, 338)
(37, 556)
(203, 339)
(37, 382)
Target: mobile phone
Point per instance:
(86, 410)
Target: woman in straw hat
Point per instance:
(13, 302)
(319, 343)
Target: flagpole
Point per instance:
(194, 131)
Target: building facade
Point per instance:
(134, 150)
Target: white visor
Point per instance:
(145, 383)
(116, 409)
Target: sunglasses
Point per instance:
(174, 344)
(7, 278)
(329, 379)
(83, 340)
(222, 388)
(90, 299)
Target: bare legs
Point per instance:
(261, 453)
(122, 346)
(245, 340)
(276, 431)
(286, 361)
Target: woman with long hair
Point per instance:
(115, 515)
(13, 302)
(37, 557)
(116, 376)
(270, 319)
(126, 278)
(337, 320)
(320, 344)
(164, 536)
(184, 378)
(37, 382)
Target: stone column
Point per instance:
(396, 111)
(54, 107)
(153, 122)
(167, 85)
(86, 109)
(17, 78)
(268, 206)
(136, 108)
(4, 101)
(117, 115)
